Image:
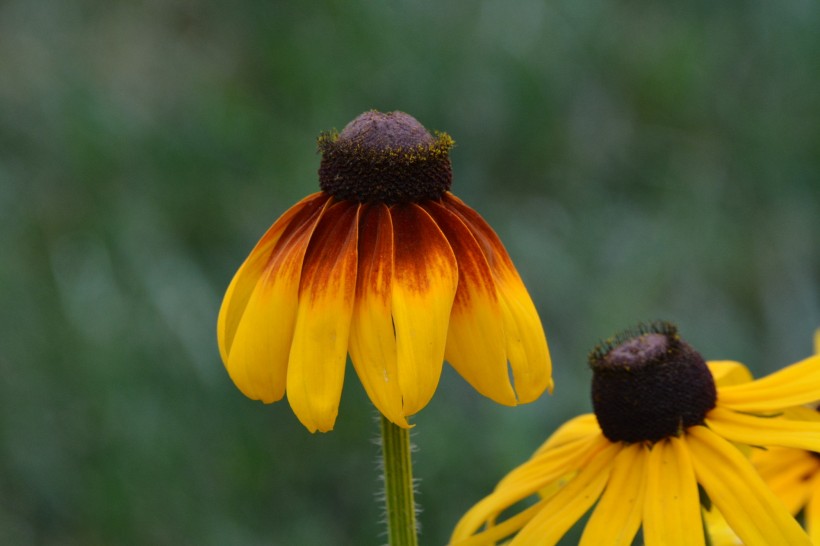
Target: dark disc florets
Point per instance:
(387, 158)
(649, 384)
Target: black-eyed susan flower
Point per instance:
(664, 437)
(387, 265)
(794, 474)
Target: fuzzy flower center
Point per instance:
(649, 384)
(386, 158)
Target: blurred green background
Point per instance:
(639, 159)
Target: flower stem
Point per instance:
(398, 484)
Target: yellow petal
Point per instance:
(321, 333)
(372, 341)
(425, 275)
(255, 323)
(792, 386)
(750, 508)
(801, 413)
(494, 533)
(617, 517)
(728, 372)
(526, 344)
(567, 506)
(719, 532)
(764, 431)
(476, 346)
(239, 291)
(671, 506)
(555, 463)
(527, 480)
(582, 426)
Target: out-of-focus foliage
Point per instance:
(640, 159)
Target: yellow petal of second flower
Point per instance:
(792, 386)
(766, 431)
(729, 372)
(749, 507)
(583, 426)
(528, 479)
(567, 506)
(617, 517)
(671, 506)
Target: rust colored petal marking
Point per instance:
(292, 228)
(330, 260)
(527, 349)
(420, 248)
(425, 275)
(375, 252)
(476, 342)
(474, 276)
(320, 338)
(372, 337)
(493, 248)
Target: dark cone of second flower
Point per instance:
(649, 384)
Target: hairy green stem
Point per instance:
(398, 484)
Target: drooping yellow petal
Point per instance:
(764, 431)
(671, 513)
(372, 340)
(750, 508)
(425, 275)
(476, 346)
(239, 291)
(617, 517)
(792, 386)
(255, 325)
(729, 372)
(528, 479)
(321, 333)
(569, 504)
(526, 344)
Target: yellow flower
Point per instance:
(387, 265)
(794, 474)
(666, 425)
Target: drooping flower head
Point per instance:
(663, 440)
(384, 264)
